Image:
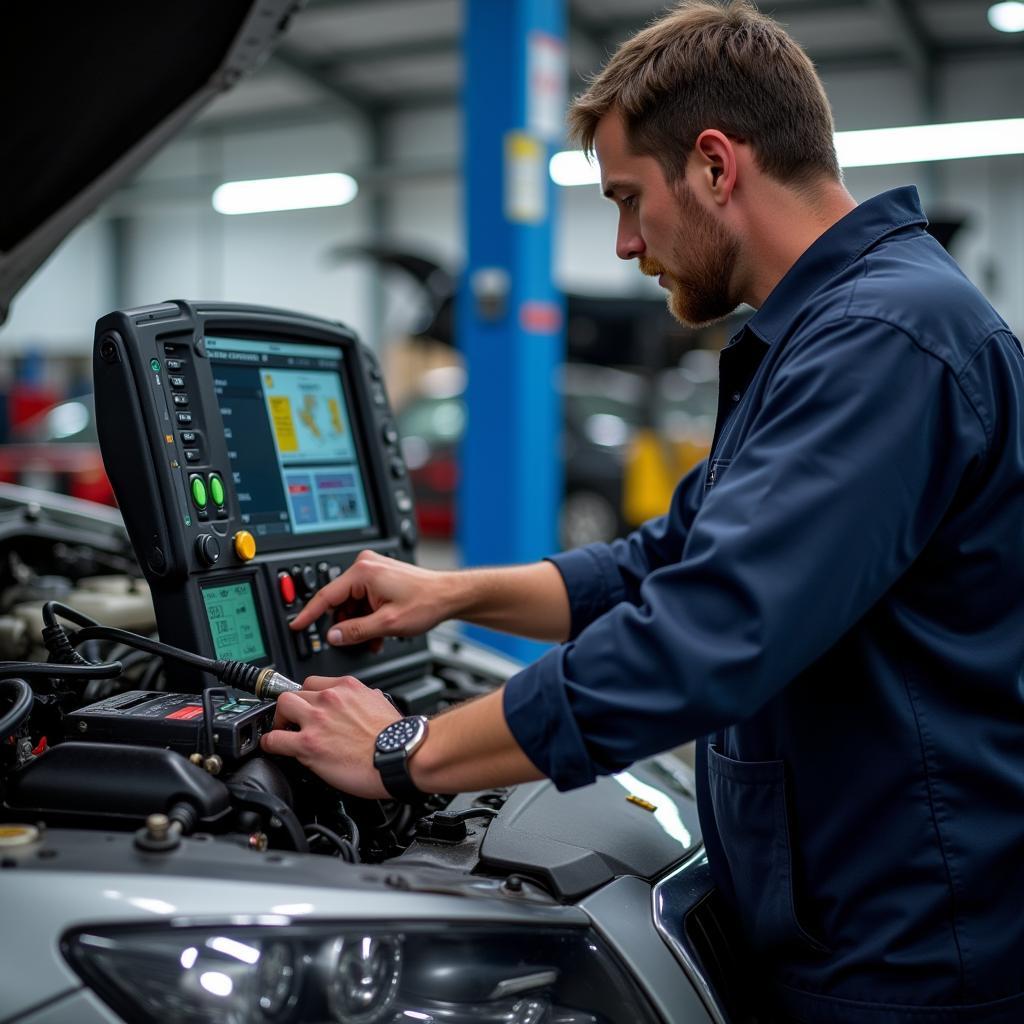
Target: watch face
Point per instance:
(398, 735)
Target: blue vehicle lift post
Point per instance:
(510, 318)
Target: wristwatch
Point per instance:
(395, 745)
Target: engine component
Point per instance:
(106, 781)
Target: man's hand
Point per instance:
(338, 721)
(378, 597)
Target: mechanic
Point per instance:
(832, 601)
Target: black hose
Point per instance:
(350, 824)
(344, 847)
(206, 737)
(470, 812)
(21, 705)
(56, 671)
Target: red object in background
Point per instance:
(435, 484)
(28, 400)
(74, 469)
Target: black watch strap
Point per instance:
(394, 773)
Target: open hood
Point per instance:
(94, 90)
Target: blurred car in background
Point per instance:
(58, 451)
(626, 441)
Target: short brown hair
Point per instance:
(710, 65)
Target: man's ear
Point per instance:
(716, 161)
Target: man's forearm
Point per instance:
(471, 747)
(529, 600)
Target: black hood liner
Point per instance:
(91, 79)
(92, 90)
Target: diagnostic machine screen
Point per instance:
(293, 454)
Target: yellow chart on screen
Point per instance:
(284, 425)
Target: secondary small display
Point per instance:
(283, 405)
(234, 624)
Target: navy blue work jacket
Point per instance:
(835, 602)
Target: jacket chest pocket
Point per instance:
(749, 801)
(715, 471)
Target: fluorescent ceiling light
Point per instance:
(876, 147)
(573, 167)
(1007, 17)
(925, 142)
(302, 192)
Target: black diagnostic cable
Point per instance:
(264, 682)
(21, 705)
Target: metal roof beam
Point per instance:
(916, 47)
(430, 47)
(354, 101)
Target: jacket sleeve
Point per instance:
(857, 450)
(599, 576)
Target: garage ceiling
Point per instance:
(379, 56)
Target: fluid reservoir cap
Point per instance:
(18, 835)
(216, 489)
(199, 492)
(245, 545)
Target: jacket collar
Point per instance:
(843, 243)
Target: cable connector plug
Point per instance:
(266, 683)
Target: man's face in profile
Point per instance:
(667, 230)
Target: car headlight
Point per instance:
(357, 974)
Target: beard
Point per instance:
(704, 256)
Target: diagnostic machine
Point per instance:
(254, 454)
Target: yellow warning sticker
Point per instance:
(284, 425)
(641, 802)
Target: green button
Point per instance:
(154, 365)
(217, 490)
(199, 492)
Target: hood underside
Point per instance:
(97, 89)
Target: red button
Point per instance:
(287, 587)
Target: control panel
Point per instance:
(254, 454)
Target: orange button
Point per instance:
(245, 545)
